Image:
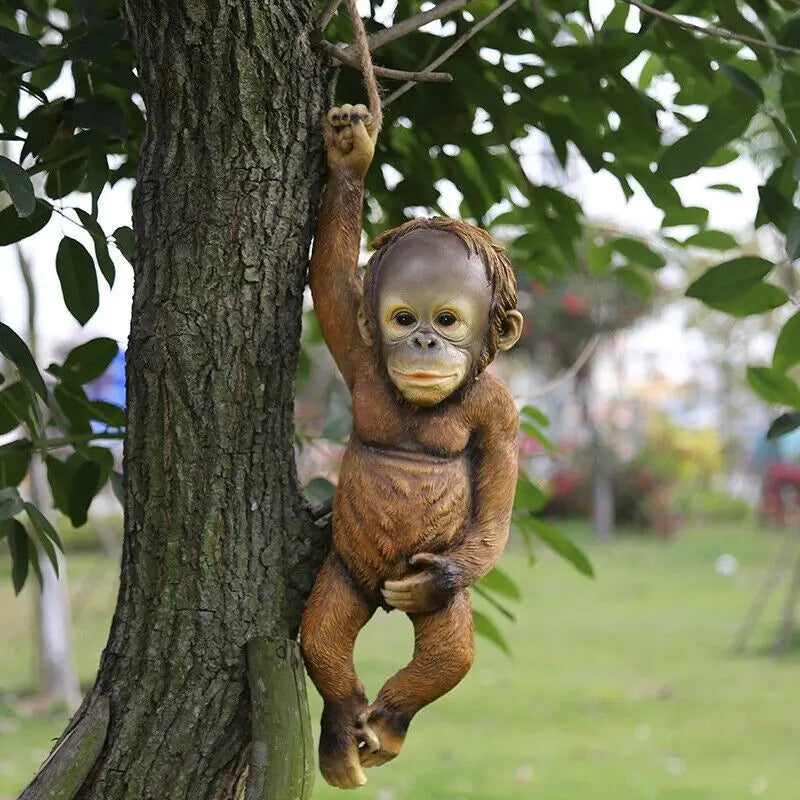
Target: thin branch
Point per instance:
(569, 372)
(406, 26)
(327, 14)
(394, 74)
(457, 45)
(713, 30)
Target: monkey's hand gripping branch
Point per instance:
(350, 135)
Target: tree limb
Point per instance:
(409, 25)
(327, 14)
(385, 72)
(570, 372)
(457, 45)
(713, 30)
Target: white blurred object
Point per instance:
(726, 565)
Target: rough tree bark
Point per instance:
(219, 547)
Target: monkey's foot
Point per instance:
(389, 728)
(350, 133)
(342, 730)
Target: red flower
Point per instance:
(573, 304)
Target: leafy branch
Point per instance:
(713, 30)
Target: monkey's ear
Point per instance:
(512, 330)
(363, 324)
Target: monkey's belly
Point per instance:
(390, 504)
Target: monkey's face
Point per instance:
(433, 304)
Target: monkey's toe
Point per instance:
(344, 772)
(391, 734)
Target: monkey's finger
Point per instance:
(407, 584)
(407, 603)
(361, 112)
(346, 111)
(371, 741)
(361, 137)
(335, 118)
(425, 560)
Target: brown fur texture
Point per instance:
(423, 505)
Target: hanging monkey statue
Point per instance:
(423, 504)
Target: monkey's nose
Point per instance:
(425, 340)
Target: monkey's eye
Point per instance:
(446, 319)
(404, 318)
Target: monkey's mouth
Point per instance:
(425, 376)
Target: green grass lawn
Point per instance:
(618, 688)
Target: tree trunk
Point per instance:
(219, 548)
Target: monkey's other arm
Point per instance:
(333, 273)
(495, 456)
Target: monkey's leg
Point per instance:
(443, 653)
(334, 614)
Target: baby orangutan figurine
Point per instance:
(423, 505)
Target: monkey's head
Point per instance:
(439, 302)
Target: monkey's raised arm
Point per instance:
(333, 272)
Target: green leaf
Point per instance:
(117, 486)
(680, 215)
(486, 628)
(538, 434)
(14, 228)
(536, 414)
(793, 238)
(726, 187)
(636, 281)
(82, 489)
(15, 459)
(743, 82)
(787, 348)
(88, 361)
(320, 490)
(785, 423)
(727, 119)
(19, 48)
(528, 497)
(637, 252)
(16, 351)
(15, 407)
(108, 413)
(98, 113)
(757, 300)
(33, 558)
(730, 279)
(96, 177)
(10, 503)
(97, 41)
(773, 387)
(43, 525)
(560, 544)
(65, 179)
(100, 246)
(78, 279)
(18, 545)
(499, 582)
(713, 240)
(18, 185)
(46, 533)
(123, 236)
